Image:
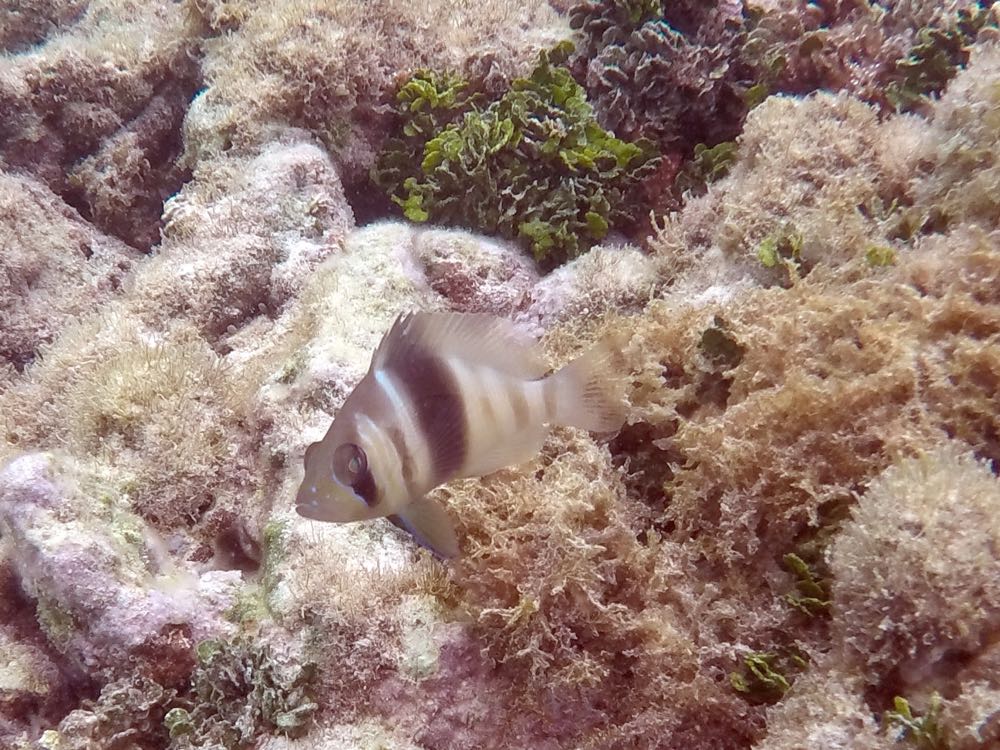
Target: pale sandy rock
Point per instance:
(54, 267)
(93, 108)
(823, 709)
(103, 599)
(368, 735)
(603, 279)
(475, 273)
(244, 236)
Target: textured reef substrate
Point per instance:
(787, 212)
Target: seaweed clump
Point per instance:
(891, 54)
(240, 691)
(571, 605)
(128, 714)
(923, 731)
(937, 54)
(534, 165)
(672, 73)
(902, 608)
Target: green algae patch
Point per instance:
(812, 591)
(241, 690)
(921, 731)
(253, 602)
(766, 677)
(533, 166)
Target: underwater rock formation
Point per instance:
(902, 609)
(608, 277)
(41, 292)
(93, 107)
(331, 66)
(106, 597)
(907, 616)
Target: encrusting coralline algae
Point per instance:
(791, 542)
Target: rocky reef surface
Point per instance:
(788, 212)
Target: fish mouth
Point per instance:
(307, 510)
(307, 506)
(312, 509)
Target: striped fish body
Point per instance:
(447, 395)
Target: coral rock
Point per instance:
(605, 278)
(94, 112)
(473, 273)
(101, 600)
(40, 292)
(244, 236)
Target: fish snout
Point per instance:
(307, 501)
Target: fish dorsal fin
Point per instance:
(428, 522)
(472, 337)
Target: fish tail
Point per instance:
(588, 392)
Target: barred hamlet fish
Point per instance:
(447, 395)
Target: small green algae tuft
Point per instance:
(765, 677)
(924, 731)
(707, 165)
(781, 247)
(880, 255)
(56, 621)
(812, 591)
(253, 602)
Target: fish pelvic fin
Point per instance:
(428, 523)
(588, 392)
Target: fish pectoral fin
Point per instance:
(428, 523)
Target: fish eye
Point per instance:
(349, 463)
(350, 467)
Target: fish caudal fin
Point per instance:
(428, 522)
(588, 391)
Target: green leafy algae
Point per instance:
(763, 676)
(706, 166)
(534, 165)
(880, 255)
(812, 590)
(241, 690)
(783, 246)
(923, 732)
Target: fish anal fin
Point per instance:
(428, 523)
